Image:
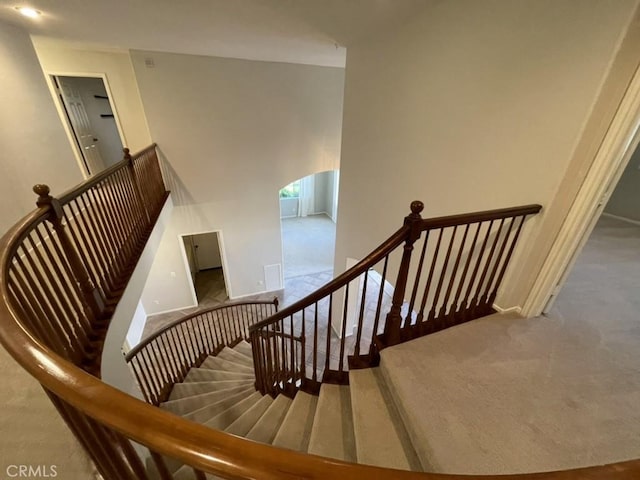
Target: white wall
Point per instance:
(64, 58)
(127, 323)
(470, 106)
(625, 200)
(232, 133)
(34, 146)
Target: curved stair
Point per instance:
(344, 422)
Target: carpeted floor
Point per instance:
(308, 245)
(32, 431)
(509, 395)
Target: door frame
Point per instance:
(614, 153)
(49, 74)
(223, 258)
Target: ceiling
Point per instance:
(297, 31)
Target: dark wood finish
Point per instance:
(165, 357)
(434, 285)
(104, 419)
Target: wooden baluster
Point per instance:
(363, 301)
(161, 466)
(303, 345)
(485, 307)
(437, 323)
(393, 324)
(475, 300)
(327, 360)
(343, 329)
(416, 283)
(90, 295)
(315, 344)
(373, 349)
(455, 306)
(199, 474)
(464, 305)
(493, 294)
(452, 279)
(424, 327)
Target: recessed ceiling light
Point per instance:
(28, 12)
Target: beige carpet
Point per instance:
(308, 245)
(509, 395)
(33, 433)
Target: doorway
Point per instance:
(91, 120)
(205, 262)
(612, 158)
(308, 212)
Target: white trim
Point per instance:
(613, 155)
(517, 309)
(262, 292)
(49, 74)
(623, 219)
(185, 261)
(170, 310)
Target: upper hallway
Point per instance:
(467, 106)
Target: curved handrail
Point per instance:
(201, 447)
(206, 449)
(166, 357)
(171, 325)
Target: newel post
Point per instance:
(136, 183)
(392, 329)
(88, 293)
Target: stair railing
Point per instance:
(39, 278)
(165, 357)
(462, 261)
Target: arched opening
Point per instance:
(308, 212)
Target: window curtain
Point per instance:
(307, 196)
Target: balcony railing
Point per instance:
(64, 267)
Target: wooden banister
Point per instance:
(166, 356)
(45, 329)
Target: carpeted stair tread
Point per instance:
(185, 405)
(296, 427)
(267, 426)
(210, 411)
(248, 419)
(332, 432)
(216, 363)
(245, 348)
(185, 390)
(225, 418)
(375, 417)
(235, 357)
(212, 374)
(186, 473)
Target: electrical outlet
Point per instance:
(173, 274)
(260, 282)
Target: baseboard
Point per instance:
(170, 310)
(262, 292)
(623, 219)
(517, 309)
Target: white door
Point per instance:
(207, 251)
(87, 141)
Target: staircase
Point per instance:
(345, 422)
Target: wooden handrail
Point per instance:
(206, 449)
(97, 412)
(164, 358)
(169, 326)
(453, 298)
(340, 281)
(480, 216)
